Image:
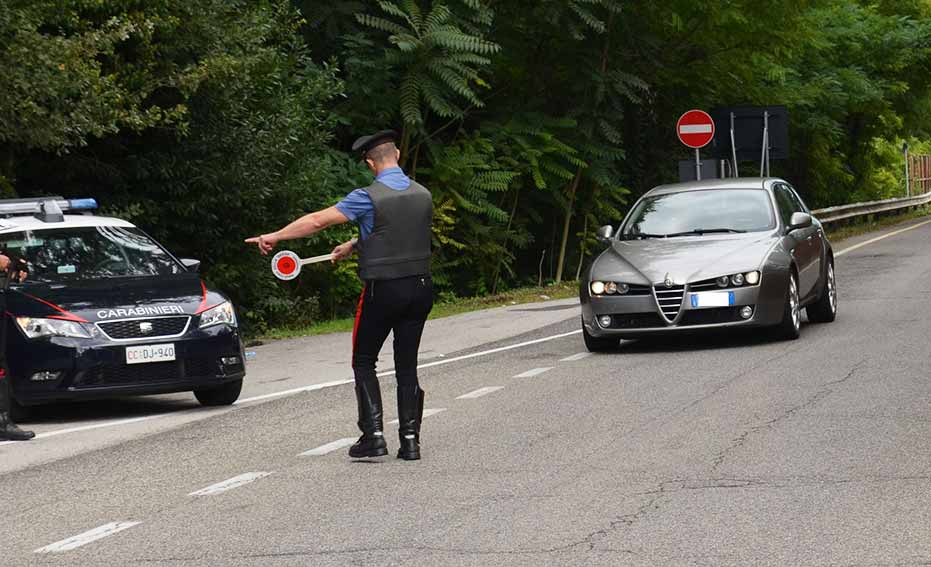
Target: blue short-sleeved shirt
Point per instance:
(358, 206)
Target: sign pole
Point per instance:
(734, 148)
(697, 164)
(908, 191)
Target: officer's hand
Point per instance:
(265, 242)
(342, 251)
(4, 263)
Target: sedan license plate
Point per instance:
(150, 353)
(712, 299)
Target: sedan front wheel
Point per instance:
(790, 327)
(599, 344)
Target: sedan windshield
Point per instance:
(714, 211)
(68, 254)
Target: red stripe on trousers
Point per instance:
(355, 326)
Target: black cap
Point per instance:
(366, 143)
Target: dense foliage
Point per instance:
(532, 121)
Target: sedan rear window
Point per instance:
(68, 254)
(701, 212)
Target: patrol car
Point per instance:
(106, 311)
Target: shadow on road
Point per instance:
(718, 340)
(119, 408)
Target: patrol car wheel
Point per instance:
(19, 412)
(225, 395)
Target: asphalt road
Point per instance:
(725, 450)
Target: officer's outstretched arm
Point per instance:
(302, 227)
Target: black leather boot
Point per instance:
(410, 410)
(372, 442)
(8, 429)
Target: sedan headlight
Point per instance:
(222, 314)
(37, 328)
(609, 288)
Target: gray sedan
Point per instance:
(721, 253)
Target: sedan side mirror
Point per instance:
(191, 264)
(799, 220)
(605, 233)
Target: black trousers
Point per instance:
(401, 306)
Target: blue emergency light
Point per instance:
(46, 209)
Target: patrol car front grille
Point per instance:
(669, 300)
(153, 328)
(151, 373)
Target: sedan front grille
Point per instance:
(669, 300)
(145, 328)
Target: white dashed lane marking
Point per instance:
(426, 413)
(534, 372)
(480, 392)
(87, 537)
(329, 447)
(576, 357)
(230, 484)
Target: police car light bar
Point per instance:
(44, 206)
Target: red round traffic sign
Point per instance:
(695, 129)
(286, 265)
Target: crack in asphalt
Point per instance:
(825, 390)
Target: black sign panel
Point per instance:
(748, 132)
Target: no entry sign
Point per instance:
(695, 129)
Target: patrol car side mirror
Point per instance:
(799, 220)
(191, 264)
(605, 233)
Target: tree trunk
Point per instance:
(565, 227)
(507, 232)
(578, 270)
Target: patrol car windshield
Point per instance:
(68, 254)
(695, 213)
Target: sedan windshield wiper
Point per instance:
(701, 231)
(641, 236)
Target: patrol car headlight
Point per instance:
(37, 328)
(222, 314)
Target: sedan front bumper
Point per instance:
(635, 316)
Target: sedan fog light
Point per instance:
(737, 279)
(753, 278)
(611, 288)
(605, 321)
(598, 288)
(45, 376)
(746, 312)
(723, 281)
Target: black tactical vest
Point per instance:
(399, 245)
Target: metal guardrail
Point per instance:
(842, 212)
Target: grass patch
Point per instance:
(457, 306)
(877, 222)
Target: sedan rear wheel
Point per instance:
(825, 309)
(599, 344)
(791, 325)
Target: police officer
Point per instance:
(394, 215)
(10, 271)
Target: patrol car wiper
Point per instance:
(701, 231)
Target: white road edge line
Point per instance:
(878, 238)
(480, 392)
(329, 447)
(87, 537)
(291, 392)
(230, 484)
(575, 357)
(426, 413)
(534, 372)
